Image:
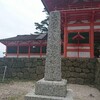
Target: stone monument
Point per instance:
(52, 86)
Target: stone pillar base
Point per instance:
(50, 90)
(33, 96)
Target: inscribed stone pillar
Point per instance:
(52, 86)
(53, 57)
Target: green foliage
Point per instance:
(42, 27)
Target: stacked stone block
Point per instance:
(97, 74)
(79, 71)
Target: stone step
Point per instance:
(33, 96)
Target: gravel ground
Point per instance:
(17, 90)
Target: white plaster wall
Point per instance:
(43, 56)
(78, 27)
(11, 56)
(84, 21)
(22, 56)
(97, 20)
(35, 56)
(81, 54)
(80, 47)
(72, 54)
(97, 27)
(25, 56)
(84, 54)
(82, 27)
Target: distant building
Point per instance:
(25, 46)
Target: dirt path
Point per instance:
(84, 92)
(17, 90)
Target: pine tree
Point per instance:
(42, 27)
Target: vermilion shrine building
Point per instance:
(80, 29)
(26, 46)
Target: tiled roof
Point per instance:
(25, 37)
(41, 37)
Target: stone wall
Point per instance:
(80, 71)
(97, 74)
(23, 68)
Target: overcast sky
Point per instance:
(17, 17)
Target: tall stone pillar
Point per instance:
(53, 58)
(52, 86)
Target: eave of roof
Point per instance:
(45, 5)
(52, 5)
(20, 38)
(42, 37)
(25, 38)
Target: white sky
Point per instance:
(17, 17)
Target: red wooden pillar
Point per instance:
(92, 36)
(29, 51)
(65, 36)
(41, 50)
(65, 41)
(18, 50)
